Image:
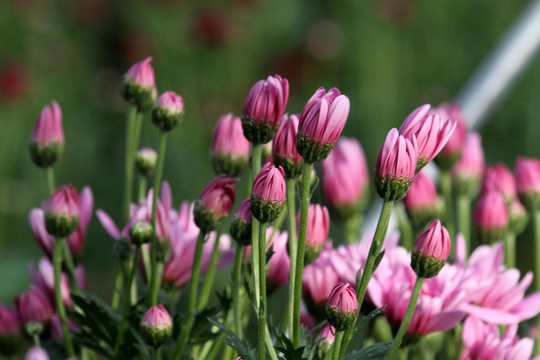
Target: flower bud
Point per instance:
(229, 149)
(345, 178)
(468, 171)
(156, 326)
(528, 182)
(215, 203)
(499, 177)
(62, 212)
(141, 232)
(491, 217)
(396, 166)
(318, 227)
(430, 250)
(168, 111)
(341, 306)
(47, 139)
(321, 122)
(145, 161)
(36, 353)
(284, 151)
(263, 108)
(139, 87)
(452, 150)
(34, 305)
(431, 130)
(10, 340)
(421, 202)
(268, 193)
(241, 223)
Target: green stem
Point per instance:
(237, 281)
(510, 249)
(305, 197)
(536, 220)
(352, 229)
(35, 339)
(407, 318)
(293, 244)
(127, 302)
(193, 285)
(142, 188)
(269, 345)
(464, 220)
(155, 278)
(337, 345)
(256, 152)
(374, 251)
(49, 175)
(446, 189)
(210, 275)
(118, 283)
(57, 259)
(262, 279)
(129, 169)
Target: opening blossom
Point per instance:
(229, 148)
(47, 139)
(215, 203)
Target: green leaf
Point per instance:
(376, 351)
(289, 351)
(372, 315)
(240, 345)
(377, 261)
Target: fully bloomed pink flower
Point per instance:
(422, 202)
(47, 139)
(528, 182)
(499, 295)
(491, 216)
(431, 130)
(229, 148)
(345, 177)
(284, 151)
(469, 168)
(396, 166)
(321, 122)
(318, 227)
(500, 177)
(483, 342)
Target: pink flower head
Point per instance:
(145, 161)
(345, 177)
(62, 211)
(48, 129)
(34, 305)
(43, 277)
(528, 182)
(452, 150)
(229, 149)
(341, 306)
(321, 122)
(156, 325)
(36, 353)
(9, 321)
(168, 111)
(491, 216)
(421, 201)
(431, 250)
(279, 263)
(171, 102)
(284, 151)
(268, 193)
(215, 202)
(499, 177)
(318, 227)
(469, 168)
(483, 342)
(263, 108)
(142, 74)
(241, 223)
(396, 166)
(431, 130)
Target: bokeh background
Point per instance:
(388, 56)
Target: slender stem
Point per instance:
(155, 278)
(337, 345)
(49, 175)
(210, 275)
(256, 152)
(407, 318)
(305, 197)
(193, 285)
(262, 279)
(127, 302)
(446, 189)
(269, 345)
(35, 339)
(129, 169)
(142, 188)
(510, 249)
(464, 220)
(374, 251)
(68, 261)
(237, 281)
(57, 259)
(293, 244)
(118, 284)
(536, 220)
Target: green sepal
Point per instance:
(340, 320)
(204, 219)
(229, 164)
(165, 119)
(240, 231)
(45, 155)
(531, 200)
(445, 162)
(490, 236)
(258, 133)
(426, 266)
(312, 151)
(142, 97)
(265, 211)
(392, 189)
(290, 169)
(60, 226)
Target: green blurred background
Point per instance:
(388, 56)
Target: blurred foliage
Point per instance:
(388, 56)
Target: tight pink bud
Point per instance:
(431, 250)
(284, 151)
(62, 212)
(156, 326)
(499, 177)
(229, 149)
(341, 306)
(421, 202)
(468, 170)
(241, 223)
(321, 122)
(318, 227)
(263, 108)
(34, 305)
(268, 193)
(145, 161)
(396, 166)
(47, 139)
(139, 87)
(528, 182)
(215, 203)
(452, 150)
(491, 217)
(168, 111)
(431, 130)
